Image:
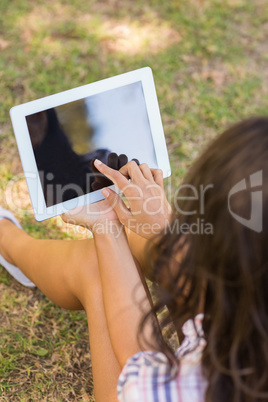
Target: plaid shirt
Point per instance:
(144, 377)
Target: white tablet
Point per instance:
(60, 135)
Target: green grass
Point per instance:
(44, 349)
(210, 66)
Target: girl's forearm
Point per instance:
(124, 296)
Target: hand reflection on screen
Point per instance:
(114, 161)
(63, 173)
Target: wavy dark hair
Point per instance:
(226, 261)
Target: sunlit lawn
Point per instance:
(210, 64)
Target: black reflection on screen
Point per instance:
(64, 174)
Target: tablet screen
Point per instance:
(112, 126)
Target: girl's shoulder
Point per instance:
(147, 376)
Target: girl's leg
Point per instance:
(55, 265)
(67, 273)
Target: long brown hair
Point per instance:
(224, 258)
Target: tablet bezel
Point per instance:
(18, 117)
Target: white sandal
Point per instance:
(14, 271)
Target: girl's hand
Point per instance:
(114, 161)
(149, 210)
(98, 217)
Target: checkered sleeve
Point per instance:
(147, 376)
(144, 378)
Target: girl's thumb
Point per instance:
(117, 204)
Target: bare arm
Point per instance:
(124, 296)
